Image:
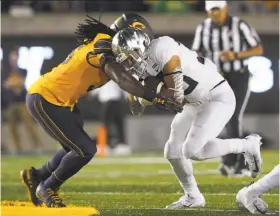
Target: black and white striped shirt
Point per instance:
(235, 35)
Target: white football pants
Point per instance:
(194, 130)
(266, 183)
(193, 135)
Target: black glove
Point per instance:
(168, 104)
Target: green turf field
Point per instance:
(138, 185)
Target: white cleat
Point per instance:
(251, 202)
(253, 157)
(188, 201)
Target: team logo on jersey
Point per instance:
(138, 25)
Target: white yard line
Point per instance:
(103, 183)
(117, 174)
(201, 209)
(139, 160)
(152, 193)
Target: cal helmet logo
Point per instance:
(138, 25)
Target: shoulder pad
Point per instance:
(102, 46)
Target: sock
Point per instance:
(183, 170)
(46, 170)
(220, 147)
(69, 166)
(266, 183)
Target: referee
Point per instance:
(229, 41)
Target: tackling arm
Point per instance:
(127, 82)
(115, 71)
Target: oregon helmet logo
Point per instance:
(138, 25)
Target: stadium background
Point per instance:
(143, 183)
(51, 26)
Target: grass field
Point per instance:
(135, 185)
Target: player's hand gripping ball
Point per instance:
(155, 84)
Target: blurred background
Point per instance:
(38, 35)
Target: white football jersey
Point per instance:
(200, 74)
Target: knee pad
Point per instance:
(88, 150)
(191, 149)
(91, 150)
(172, 150)
(88, 157)
(83, 159)
(196, 156)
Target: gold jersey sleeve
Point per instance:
(65, 84)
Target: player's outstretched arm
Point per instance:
(129, 84)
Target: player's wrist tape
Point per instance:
(149, 95)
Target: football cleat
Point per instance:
(49, 197)
(187, 201)
(253, 157)
(253, 203)
(31, 181)
(226, 170)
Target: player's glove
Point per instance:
(135, 106)
(169, 104)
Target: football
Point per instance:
(154, 83)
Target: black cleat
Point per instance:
(49, 197)
(226, 170)
(31, 181)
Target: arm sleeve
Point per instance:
(165, 49)
(249, 34)
(197, 41)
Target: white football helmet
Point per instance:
(130, 49)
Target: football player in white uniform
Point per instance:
(250, 197)
(210, 103)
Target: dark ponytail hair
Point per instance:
(87, 31)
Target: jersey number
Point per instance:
(200, 59)
(68, 57)
(71, 55)
(192, 85)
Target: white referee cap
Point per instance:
(214, 4)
